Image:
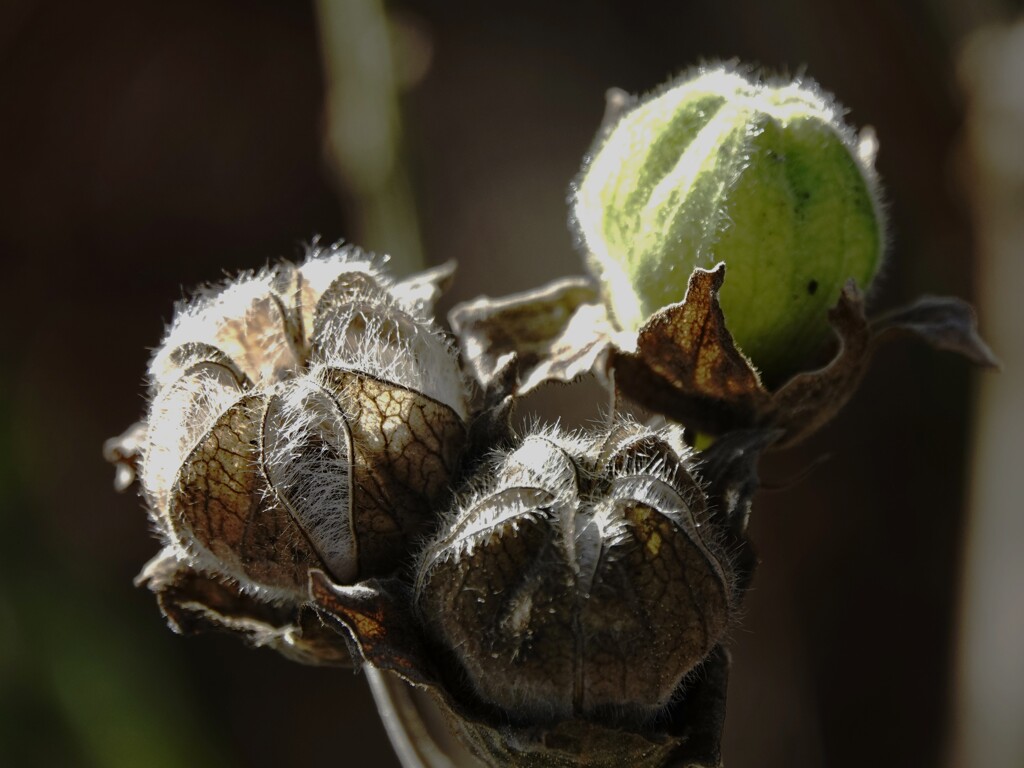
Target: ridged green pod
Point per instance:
(763, 176)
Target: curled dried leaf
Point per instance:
(684, 364)
(944, 322)
(810, 400)
(555, 333)
(376, 616)
(687, 366)
(124, 452)
(195, 603)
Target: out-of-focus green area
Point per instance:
(146, 148)
(81, 682)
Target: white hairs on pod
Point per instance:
(228, 564)
(397, 348)
(357, 318)
(540, 476)
(374, 327)
(573, 553)
(180, 415)
(307, 459)
(324, 265)
(543, 460)
(244, 319)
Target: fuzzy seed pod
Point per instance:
(581, 579)
(302, 417)
(766, 177)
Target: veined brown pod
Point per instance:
(582, 579)
(302, 417)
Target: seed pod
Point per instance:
(581, 579)
(766, 177)
(304, 417)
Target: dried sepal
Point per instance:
(242, 321)
(179, 360)
(305, 417)
(692, 349)
(684, 364)
(376, 617)
(124, 452)
(223, 513)
(421, 291)
(810, 400)
(307, 460)
(195, 603)
(406, 449)
(556, 333)
(944, 322)
(578, 581)
(360, 324)
(180, 414)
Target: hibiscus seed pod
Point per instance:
(765, 176)
(581, 579)
(304, 417)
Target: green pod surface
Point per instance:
(763, 176)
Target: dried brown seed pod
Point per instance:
(582, 579)
(302, 417)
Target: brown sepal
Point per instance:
(422, 290)
(684, 363)
(400, 474)
(374, 615)
(221, 503)
(687, 367)
(125, 453)
(809, 400)
(944, 322)
(555, 333)
(196, 603)
(687, 735)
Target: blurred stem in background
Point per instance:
(363, 70)
(990, 684)
(367, 57)
(82, 681)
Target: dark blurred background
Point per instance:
(146, 147)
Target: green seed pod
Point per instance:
(763, 176)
